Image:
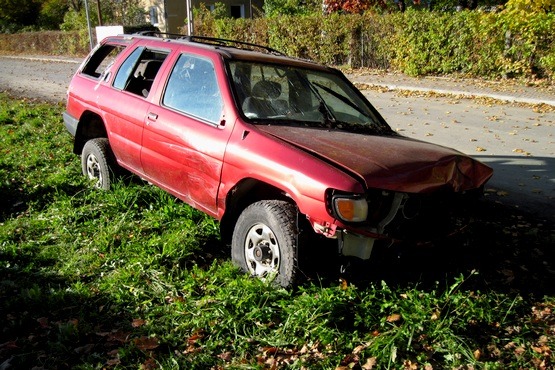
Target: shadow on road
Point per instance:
(528, 182)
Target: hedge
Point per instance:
(473, 43)
(45, 42)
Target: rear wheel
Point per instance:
(98, 162)
(264, 241)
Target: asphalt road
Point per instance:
(517, 140)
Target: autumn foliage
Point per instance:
(349, 6)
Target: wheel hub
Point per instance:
(262, 252)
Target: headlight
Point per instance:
(350, 209)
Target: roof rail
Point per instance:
(213, 41)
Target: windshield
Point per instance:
(276, 94)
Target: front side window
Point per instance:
(278, 94)
(193, 89)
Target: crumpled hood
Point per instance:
(391, 163)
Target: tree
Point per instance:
(52, 13)
(17, 14)
(122, 12)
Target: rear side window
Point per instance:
(137, 73)
(193, 89)
(101, 60)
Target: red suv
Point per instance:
(279, 150)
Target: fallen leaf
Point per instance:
(137, 323)
(518, 151)
(343, 284)
(359, 349)
(146, 343)
(369, 364)
(43, 322)
(195, 337)
(349, 360)
(509, 274)
(394, 317)
(113, 362)
(149, 364)
(480, 149)
(477, 354)
(84, 349)
(270, 350)
(226, 356)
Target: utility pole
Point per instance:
(89, 24)
(99, 12)
(189, 18)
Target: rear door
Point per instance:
(126, 102)
(185, 136)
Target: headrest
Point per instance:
(148, 69)
(266, 90)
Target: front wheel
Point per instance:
(264, 241)
(98, 162)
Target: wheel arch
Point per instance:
(243, 194)
(90, 126)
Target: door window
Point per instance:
(193, 89)
(136, 75)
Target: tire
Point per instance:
(98, 163)
(264, 241)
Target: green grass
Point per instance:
(133, 278)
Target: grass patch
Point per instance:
(135, 279)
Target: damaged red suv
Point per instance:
(281, 151)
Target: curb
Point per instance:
(466, 94)
(45, 59)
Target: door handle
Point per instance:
(152, 116)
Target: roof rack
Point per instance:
(213, 41)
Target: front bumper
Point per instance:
(409, 218)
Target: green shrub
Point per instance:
(415, 42)
(530, 43)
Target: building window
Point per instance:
(237, 11)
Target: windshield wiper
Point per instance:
(343, 98)
(329, 119)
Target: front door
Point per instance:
(184, 141)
